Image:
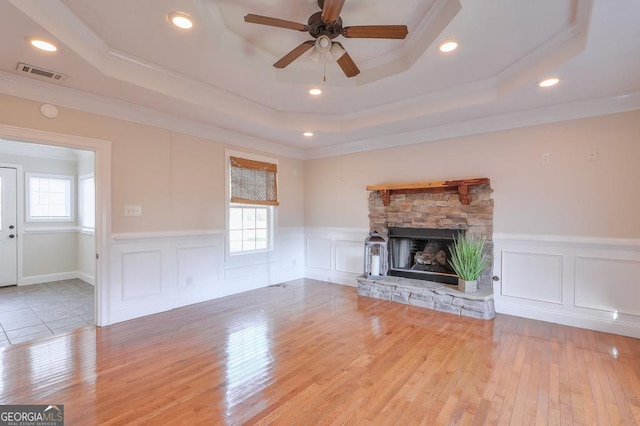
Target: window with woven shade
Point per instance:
(253, 182)
(253, 196)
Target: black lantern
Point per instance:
(376, 260)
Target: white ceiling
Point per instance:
(123, 59)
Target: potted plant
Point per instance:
(468, 261)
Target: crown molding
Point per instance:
(35, 90)
(39, 91)
(532, 117)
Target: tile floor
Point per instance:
(40, 310)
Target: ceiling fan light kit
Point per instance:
(324, 26)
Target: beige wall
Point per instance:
(177, 179)
(571, 196)
(52, 253)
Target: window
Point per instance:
(87, 204)
(253, 196)
(50, 197)
(248, 228)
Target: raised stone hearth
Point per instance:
(430, 295)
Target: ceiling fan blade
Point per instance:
(294, 54)
(331, 10)
(275, 22)
(349, 67)
(376, 31)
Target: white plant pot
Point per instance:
(467, 286)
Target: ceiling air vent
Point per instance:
(41, 72)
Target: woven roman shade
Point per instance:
(253, 182)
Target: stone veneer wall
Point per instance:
(439, 211)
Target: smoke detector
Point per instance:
(40, 72)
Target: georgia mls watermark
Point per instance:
(31, 415)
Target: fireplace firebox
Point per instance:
(422, 253)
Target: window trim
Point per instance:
(71, 199)
(271, 207)
(86, 229)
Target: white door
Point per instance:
(8, 227)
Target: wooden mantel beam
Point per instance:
(460, 186)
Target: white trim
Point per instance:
(338, 230)
(165, 235)
(102, 171)
(86, 278)
(81, 202)
(38, 91)
(47, 278)
(568, 239)
(544, 115)
(573, 319)
(51, 229)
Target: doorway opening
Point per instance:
(97, 153)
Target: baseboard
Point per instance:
(569, 318)
(86, 278)
(333, 277)
(61, 276)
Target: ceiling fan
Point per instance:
(324, 26)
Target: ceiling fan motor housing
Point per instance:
(318, 28)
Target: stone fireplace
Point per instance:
(420, 221)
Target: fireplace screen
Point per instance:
(422, 253)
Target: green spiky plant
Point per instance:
(467, 258)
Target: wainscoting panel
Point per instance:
(152, 273)
(607, 284)
(532, 276)
(582, 282)
(141, 274)
(341, 252)
(198, 266)
(319, 253)
(350, 257)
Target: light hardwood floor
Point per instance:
(315, 353)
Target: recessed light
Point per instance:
(315, 92)
(308, 134)
(448, 46)
(181, 20)
(548, 82)
(43, 45)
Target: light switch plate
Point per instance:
(131, 210)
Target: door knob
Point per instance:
(11, 236)
(11, 226)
